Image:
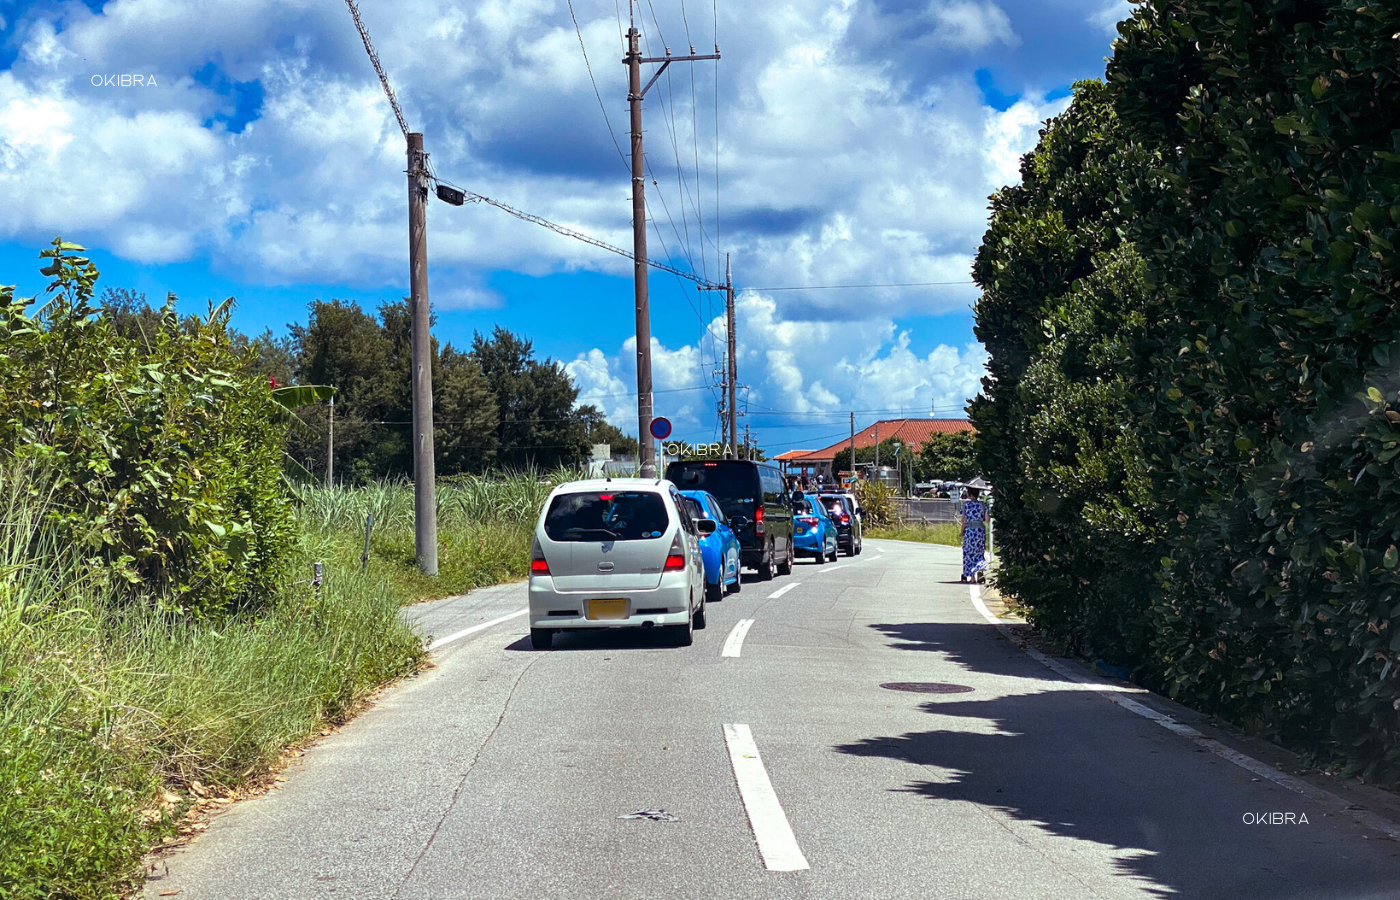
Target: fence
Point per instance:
(926, 512)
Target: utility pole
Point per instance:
(853, 444)
(729, 332)
(876, 471)
(330, 446)
(424, 466)
(730, 417)
(635, 92)
(748, 448)
(424, 469)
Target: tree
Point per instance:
(948, 457)
(368, 363)
(866, 455)
(600, 431)
(537, 424)
(465, 413)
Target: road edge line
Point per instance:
(475, 628)
(777, 845)
(1112, 693)
(782, 590)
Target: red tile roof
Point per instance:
(913, 432)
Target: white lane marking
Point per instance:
(736, 637)
(1113, 693)
(776, 842)
(783, 590)
(833, 568)
(475, 628)
(880, 549)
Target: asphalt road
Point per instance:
(502, 771)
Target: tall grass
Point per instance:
(485, 526)
(104, 707)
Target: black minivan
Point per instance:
(753, 497)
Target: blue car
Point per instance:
(813, 531)
(719, 550)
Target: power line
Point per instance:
(379, 69)
(836, 287)
(466, 195)
(589, 66)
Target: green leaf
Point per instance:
(1375, 394)
(1391, 558)
(1244, 444)
(302, 394)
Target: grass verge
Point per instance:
(944, 533)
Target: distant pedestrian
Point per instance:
(973, 517)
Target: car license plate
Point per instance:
(607, 609)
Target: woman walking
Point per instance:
(972, 526)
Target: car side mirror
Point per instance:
(706, 526)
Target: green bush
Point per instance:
(1270, 241)
(105, 706)
(1191, 309)
(1063, 315)
(166, 449)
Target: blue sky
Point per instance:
(837, 142)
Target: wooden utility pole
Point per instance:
(424, 466)
(733, 375)
(424, 469)
(876, 469)
(635, 92)
(853, 444)
(330, 445)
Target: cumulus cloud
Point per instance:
(1110, 14)
(821, 163)
(794, 369)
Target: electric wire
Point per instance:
(837, 287)
(589, 66)
(378, 69)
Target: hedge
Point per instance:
(1247, 160)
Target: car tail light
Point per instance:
(675, 560)
(845, 519)
(758, 521)
(808, 520)
(539, 567)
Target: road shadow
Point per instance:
(632, 638)
(1066, 762)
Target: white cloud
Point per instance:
(834, 168)
(1110, 14)
(971, 26)
(795, 369)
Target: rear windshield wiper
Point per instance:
(612, 534)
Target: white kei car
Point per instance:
(621, 552)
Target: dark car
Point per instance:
(752, 496)
(842, 508)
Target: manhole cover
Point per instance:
(925, 687)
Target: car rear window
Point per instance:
(606, 516)
(834, 505)
(724, 480)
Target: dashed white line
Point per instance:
(1115, 693)
(783, 590)
(735, 641)
(458, 635)
(776, 842)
